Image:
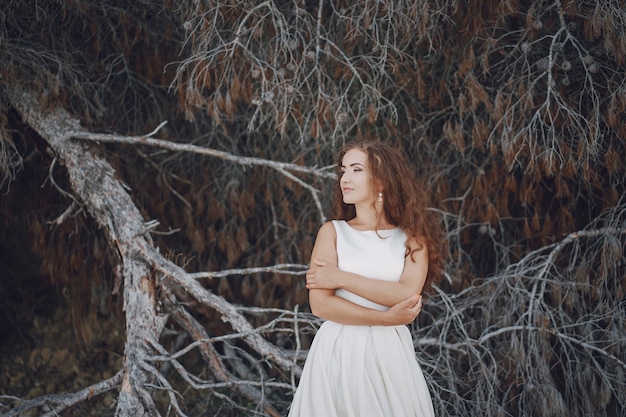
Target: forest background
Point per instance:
(166, 164)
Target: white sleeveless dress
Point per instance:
(363, 371)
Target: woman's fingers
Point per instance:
(310, 278)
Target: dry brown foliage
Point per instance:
(512, 111)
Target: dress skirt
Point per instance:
(362, 371)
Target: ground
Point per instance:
(43, 354)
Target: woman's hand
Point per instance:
(322, 276)
(405, 311)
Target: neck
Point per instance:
(370, 218)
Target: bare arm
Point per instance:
(325, 275)
(325, 304)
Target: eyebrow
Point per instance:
(352, 165)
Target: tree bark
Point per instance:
(105, 199)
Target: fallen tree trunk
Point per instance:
(141, 270)
(95, 186)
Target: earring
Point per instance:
(380, 196)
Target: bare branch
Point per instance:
(10, 160)
(298, 269)
(186, 147)
(56, 404)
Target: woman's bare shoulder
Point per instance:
(327, 230)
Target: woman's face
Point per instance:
(356, 178)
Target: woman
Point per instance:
(367, 272)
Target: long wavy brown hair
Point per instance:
(405, 203)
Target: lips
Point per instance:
(346, 190)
